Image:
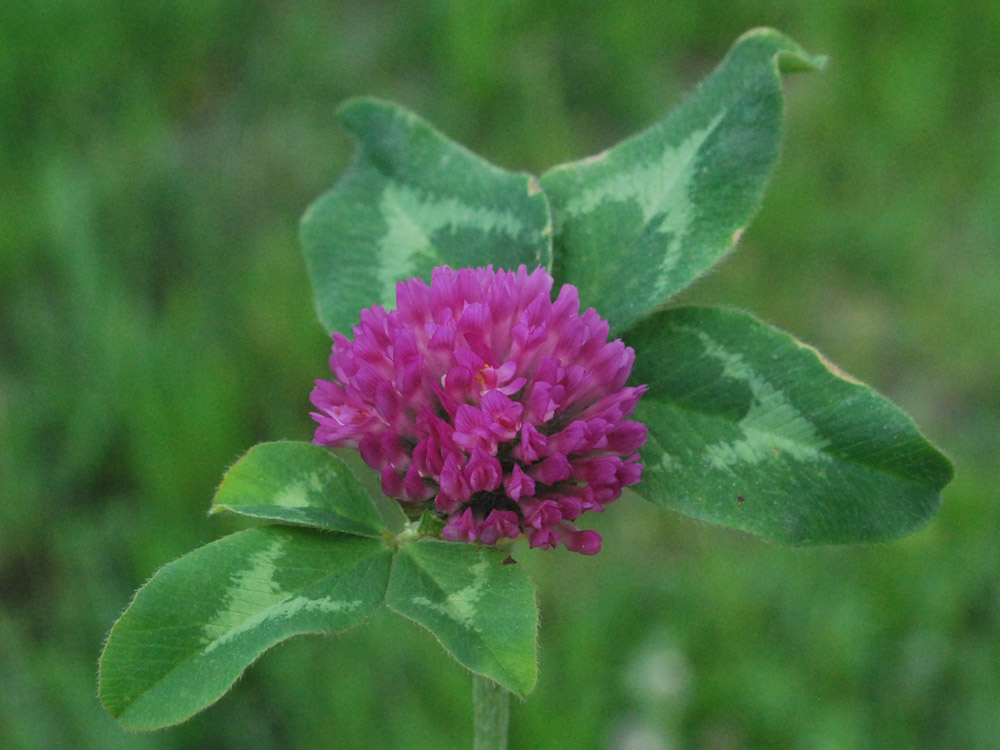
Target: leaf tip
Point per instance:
(347, 108)
(800, 61)
(788, 55)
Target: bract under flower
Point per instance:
(482, 398)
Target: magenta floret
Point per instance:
(482, 398)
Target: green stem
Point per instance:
(491, 704)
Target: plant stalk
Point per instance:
(491, 706)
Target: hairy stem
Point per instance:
(491, 704)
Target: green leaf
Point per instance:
(413, 200)
(202, 619)
(298, 483)
(752, 429)
(482, 611)
(388, 508)
(639, 222)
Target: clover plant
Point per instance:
(505, 358)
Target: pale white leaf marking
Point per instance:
(283, 611)
(669, 463)
(255, 598)
(772, 426)
(412, 217)
(460, 605)
(654, 185)
(298, 494)
(251, 590)
(661, 190)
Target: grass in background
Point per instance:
(155, 321)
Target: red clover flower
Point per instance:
(482, 398)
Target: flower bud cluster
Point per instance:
(482, 398)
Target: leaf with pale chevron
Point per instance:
(482, 611)
(299, 483)
(413, 200)
(204, 618)
(639, 222)
(751, 429)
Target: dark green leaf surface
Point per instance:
(482, 611)
(298, 483)
(388, 508)
(202, 619)
(413, 200)
(752, 429)
(639, 222)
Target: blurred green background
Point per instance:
(156, 321)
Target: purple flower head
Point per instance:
(482, 398)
